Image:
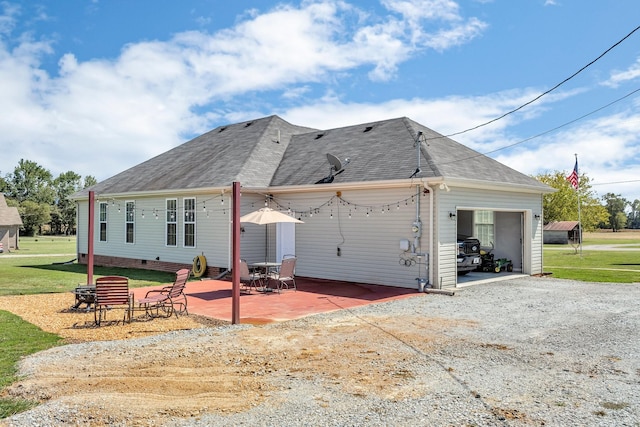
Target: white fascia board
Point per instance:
(498, 186)
(363, 185)
(162, 193)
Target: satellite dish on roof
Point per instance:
(335, 169)
(335, 162)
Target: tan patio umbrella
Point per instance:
(267, 216)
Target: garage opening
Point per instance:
(498, 236)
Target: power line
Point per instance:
(547, 131)
(565, 124)
(615, 182)
(545, 92)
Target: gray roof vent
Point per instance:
(320, 135)
(367, 129)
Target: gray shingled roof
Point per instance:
(249, 153)
(9, 216)
(386, 150)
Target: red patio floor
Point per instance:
(212, 298)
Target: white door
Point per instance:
(509, 241)
(285, 239)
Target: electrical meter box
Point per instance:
(416, 228)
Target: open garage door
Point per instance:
(500, 232)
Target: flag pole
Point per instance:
(579, 216)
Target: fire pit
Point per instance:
(84, 295)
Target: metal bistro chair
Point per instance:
(249, 279)
(285, 276)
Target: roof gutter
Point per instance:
(318, 188)
(163, 193)
(490, 185)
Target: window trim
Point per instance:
(188, 220)
(168, 222)
(481, 223)
(131, 221)
(102, 221)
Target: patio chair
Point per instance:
(112, 292)
(285, 276)
(249, 279)
(168, 300)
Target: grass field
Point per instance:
(612, 265)
(42, 265)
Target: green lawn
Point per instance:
(595, 265)
(42, 265)
(18, 339)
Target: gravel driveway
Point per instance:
(523, 352)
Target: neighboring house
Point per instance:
(391, 214)
(562, 232)
(10, 223)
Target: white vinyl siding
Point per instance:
(369, 245)
(212, 225)
(474, 200)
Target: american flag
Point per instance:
(573, 178)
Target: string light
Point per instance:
(283, 206)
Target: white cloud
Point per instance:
(446, 115)
(607, 148)
(619, 77)
(103, 115)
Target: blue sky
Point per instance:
(99, 86)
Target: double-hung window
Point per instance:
(130, 219)
(172, 222)
(103, 221)
(189, 222)
(484, 227)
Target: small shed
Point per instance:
(561, 232)
(10, 223)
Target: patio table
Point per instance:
(265, 268)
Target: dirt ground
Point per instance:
(186, 378)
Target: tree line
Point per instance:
(42, 200)
(611, 211)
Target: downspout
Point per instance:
(431, 214)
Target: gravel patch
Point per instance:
(522, 352)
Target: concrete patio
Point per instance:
(212, 298)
